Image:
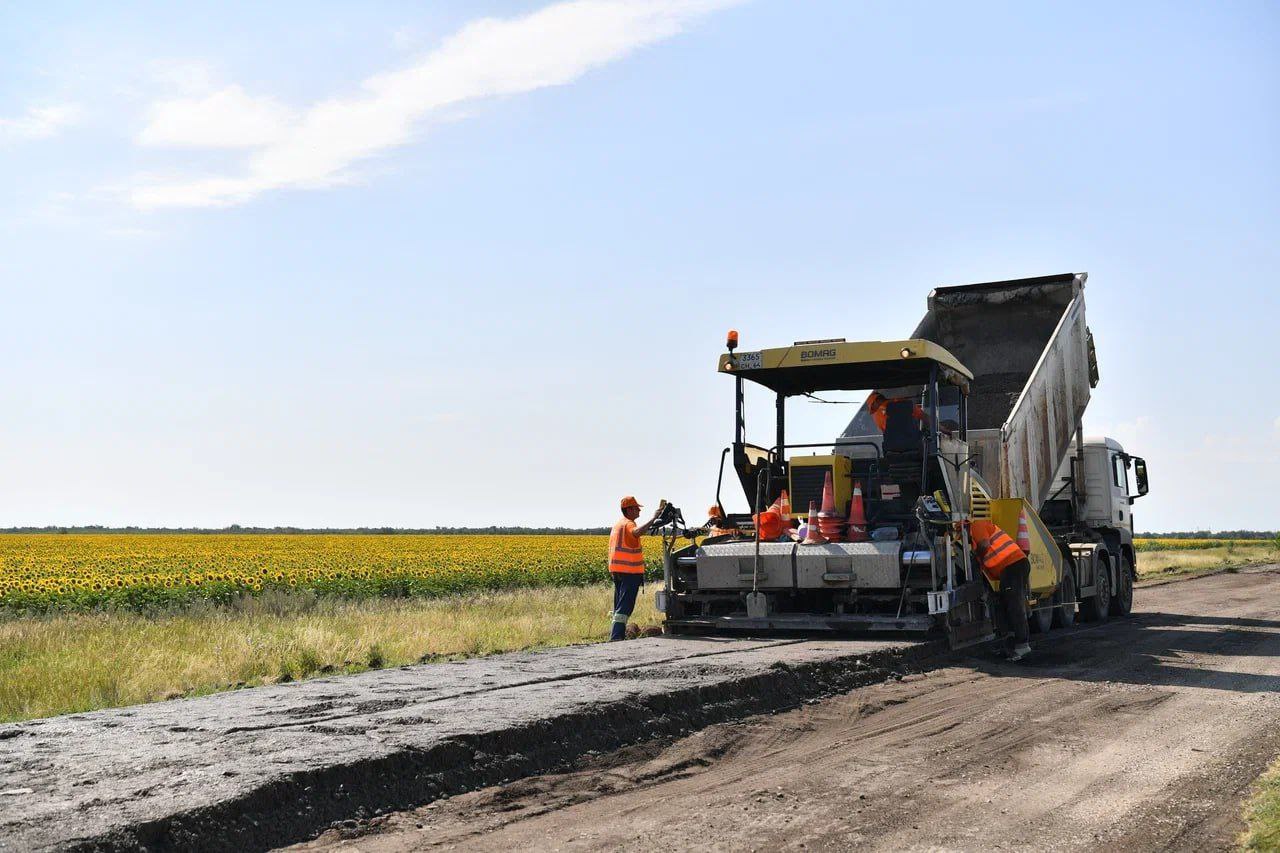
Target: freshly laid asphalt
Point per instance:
(267, 766)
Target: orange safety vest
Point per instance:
(625, 553)
(993, 547)
(878, 406)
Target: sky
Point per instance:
(472, 263)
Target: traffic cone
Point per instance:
(857, 516)
(829, 522)
(1024, 535)
(813, 536)
(784, 504)
(831, 527)
(828, 496)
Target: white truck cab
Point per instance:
(1112, 481)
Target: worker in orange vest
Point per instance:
(878, 406)
(626, 563)
(717, 525)
(1003, 562)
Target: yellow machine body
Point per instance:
(807, 476)
(1045, 557)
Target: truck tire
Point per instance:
(1122, 601)
(1041, 619)
(1064, 615)
(1097, 607)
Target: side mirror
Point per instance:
(1140, 476)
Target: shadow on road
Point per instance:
(1153, 649)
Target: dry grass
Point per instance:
(1262, 813)
(1171, 563)
(58, 664)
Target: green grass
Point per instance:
(1262, 813)
(61, 663)
(1154, 565)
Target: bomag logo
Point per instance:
(817, 354)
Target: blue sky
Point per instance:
(472, 262)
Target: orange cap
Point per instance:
(714, 512)
(630, 501)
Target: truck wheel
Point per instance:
(1064, 615)
(1097, 607)
(1122, 601)
(1041, 619)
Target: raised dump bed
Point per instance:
(1033, 364)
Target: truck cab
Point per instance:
(1110, 481)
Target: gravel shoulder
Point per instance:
(1141, 734)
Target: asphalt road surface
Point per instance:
(1137, 734)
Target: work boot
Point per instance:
(1019, 652)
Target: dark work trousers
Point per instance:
(626, 585)
(1011, 615)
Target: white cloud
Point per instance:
(487, 58)
(228, 118)
(40, 122)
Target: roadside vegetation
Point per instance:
(57, 663)
(1164, 558)
(258, 610)
(1262, 813)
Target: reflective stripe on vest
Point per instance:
(997, 551)
(622, 558)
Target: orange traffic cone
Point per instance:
(857, 516)
(828, 496)
(784, 504)
(812, 536)
(1024, 535)
(829, 522)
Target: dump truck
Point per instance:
(982, 418)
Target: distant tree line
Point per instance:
(391, 531)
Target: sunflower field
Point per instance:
(82, 571)
(1141, 544)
